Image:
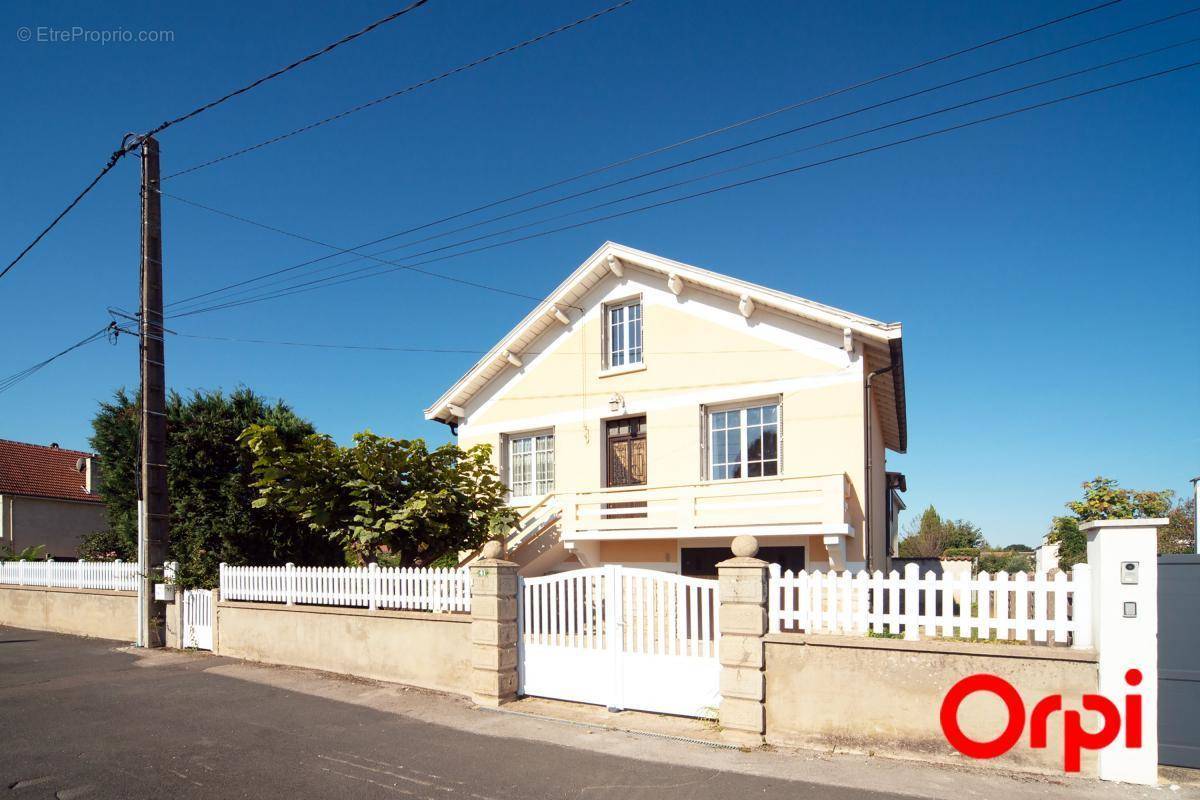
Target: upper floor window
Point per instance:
(744, 442)
(531, 465)
(624, 333)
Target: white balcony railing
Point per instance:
(715, 508)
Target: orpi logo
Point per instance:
(1075, 738)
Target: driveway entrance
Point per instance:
(621, 637)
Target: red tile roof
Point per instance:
(39, 471)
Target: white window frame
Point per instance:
(541, 451)
(708, 446)
(626, 351)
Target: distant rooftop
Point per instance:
(36, 470)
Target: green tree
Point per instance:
(960, 533)
(1179, 535)
(923, 537)
(931, 535)
(1072, 544)
(209, 477)
(392, 500)
(1103, 498)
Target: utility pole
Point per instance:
(155, 505)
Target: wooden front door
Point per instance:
(625, 446)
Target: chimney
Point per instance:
(90, 467)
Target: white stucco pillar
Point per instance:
(1123, 557)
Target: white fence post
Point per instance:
(1123, 558)
(912, 616)
(373, 585)
(289, 583)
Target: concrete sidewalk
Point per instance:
(86, 718)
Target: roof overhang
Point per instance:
(881, 341)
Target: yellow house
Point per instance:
(648, 411)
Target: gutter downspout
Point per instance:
(868, 460)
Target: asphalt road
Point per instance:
(80, 718)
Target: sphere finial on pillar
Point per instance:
(744, 546)
(492, 550)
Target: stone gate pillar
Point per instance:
(493, 628)
(743, 618)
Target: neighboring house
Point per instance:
(648, 411)
(1045, 557)
(48, 496)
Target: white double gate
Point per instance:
(622, 637)
(197, 619)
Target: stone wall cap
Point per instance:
(1155, 522)
(939, 646)
(493, 562)
(743, 561)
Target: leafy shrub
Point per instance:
(106, 545)
(34, 553)
(1005, 561)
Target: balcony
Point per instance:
(759, 506)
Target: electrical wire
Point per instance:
(406, 90)
(340, 278)
(773, 136)
(282, 70)
(375, 256)
(12, 380)
(427, 349)
(303, 238)
(131, 143)
(665, 148)
(717, 189)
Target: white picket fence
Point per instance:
(373, 587)
(984, 607)
(118, 576)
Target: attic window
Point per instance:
(624, 333)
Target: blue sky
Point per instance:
(1045, 266)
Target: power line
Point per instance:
(406, 90)
(790, 131)
(717, 189)
(131, 142)
(375, 256)
(303, 238)
(12, 380)
(334, 279)
(299, 62)
(112, 162)
(427, 349)
(668, 147)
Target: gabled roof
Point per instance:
(35, 470)
(881, 340)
